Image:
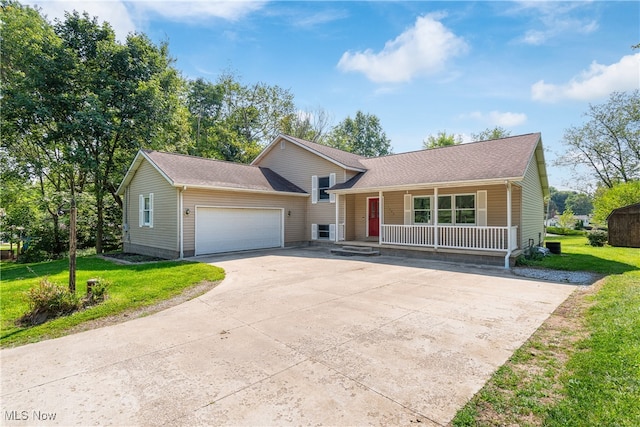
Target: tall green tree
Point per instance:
(608, 144)
(204, 101)
(83, 103)
(361, 135)
(607, 199)
(442, 139)
(491, 133)
(311, 125)
(579, 203)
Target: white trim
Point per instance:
(150, 210)
(413, 209)
(180, 223)
(509, 231)
(195, 228)
(427, 185)
(314, 189)
(242, 190)
(314, 231)
(436, 231)
(140, 210)
(332, 182)
(332, 232)
(337, 217)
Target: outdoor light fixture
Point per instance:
(289, 213)
(187, 211)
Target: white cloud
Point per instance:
(596, 82)
(553, 19)
(198, 10)
(498, 118)
(114, 12)
(421, 50)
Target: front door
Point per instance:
(374, 216)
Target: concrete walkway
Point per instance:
(290, 337)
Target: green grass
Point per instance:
(579, 255)
(133, 286)
(582, 369)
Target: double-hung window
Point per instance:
(422, 210)
(323, 186)
(146, 210)
(458, 209)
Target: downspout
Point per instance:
(508, 255)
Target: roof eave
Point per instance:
(237, 189)
(449, 184)
(317, 153)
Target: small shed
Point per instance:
(624, 226)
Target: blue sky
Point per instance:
(421, 67)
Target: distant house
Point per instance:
(624, 226)
(553, 222)
(481, 200)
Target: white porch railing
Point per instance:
(458, 237)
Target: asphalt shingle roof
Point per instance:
(198, 171)
(351, 160)
(477, 161)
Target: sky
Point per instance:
(421, 67)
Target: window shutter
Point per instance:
(314, 189)
(141, 210)
(332, 182)
(314, 231)
(407, 209)
(481, 208)
(332, 232)
(151, 210)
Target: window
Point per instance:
(323, 231)
(458, 209)
(465, 209)
(146, 210)
(444, 210)
(323, 186)
(422, 210)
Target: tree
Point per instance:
(79, 104)
(557, 201)
(361, 135)
(442, 139)
(607, 199)
(204, 101)
(311, 125)
(579, 203)
(608, 145)
(567, 220)
(491, 133)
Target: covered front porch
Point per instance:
(480, 220)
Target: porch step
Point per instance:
(355, 250)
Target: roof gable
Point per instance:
(182, 170)
(506, 158)
(344, 159)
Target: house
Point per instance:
(624, 226)
(481, 201)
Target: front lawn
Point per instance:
(582, 366)
(133, 286)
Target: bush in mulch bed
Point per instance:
(48, 300)
(129, 257)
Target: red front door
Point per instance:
(374, 217)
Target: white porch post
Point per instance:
(435, 218)
(380, 216)
(508, 255)
(337, 236)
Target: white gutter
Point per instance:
(241, 190)
(424, 185)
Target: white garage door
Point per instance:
(237, 229)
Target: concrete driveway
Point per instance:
(291, 336)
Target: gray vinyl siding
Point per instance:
(294, 224)
(298, 165)
(532, 206)
(163, 237)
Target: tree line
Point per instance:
(77, 105)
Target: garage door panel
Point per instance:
(235, 229)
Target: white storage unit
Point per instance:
(237, 229)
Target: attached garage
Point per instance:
(221, 229)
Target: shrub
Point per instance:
(48, 300)
(597, 237)
(98, 292)
(564, 231)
